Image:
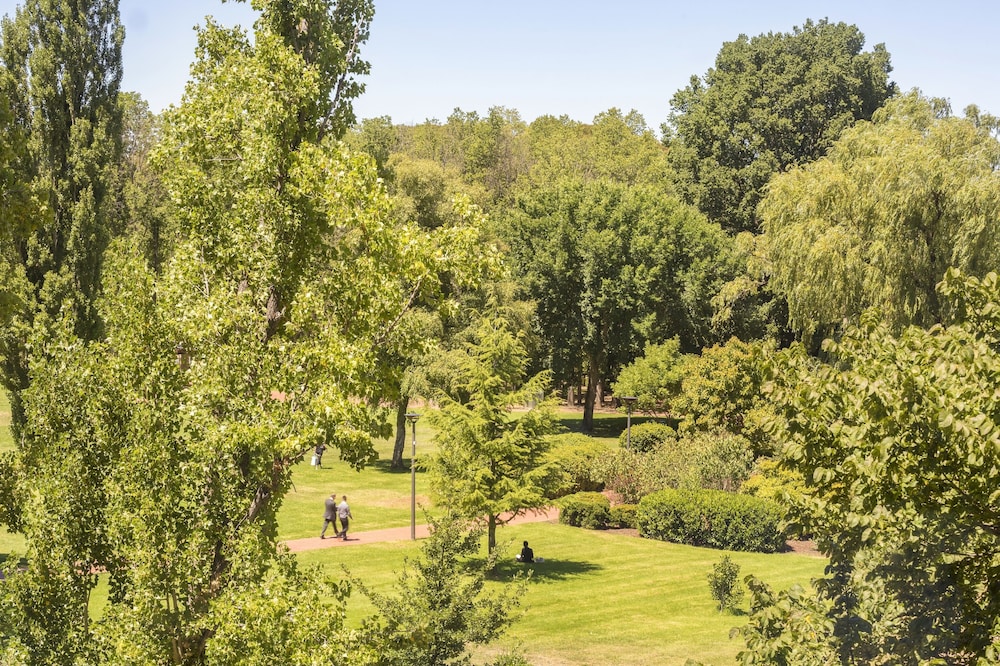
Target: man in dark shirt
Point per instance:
(527, 555)
(329, 515)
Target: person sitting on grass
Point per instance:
(527, 555)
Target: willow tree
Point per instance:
(878, 221)
(161, 451)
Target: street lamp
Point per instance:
(411, 418)
(629, 400)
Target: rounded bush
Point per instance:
(576, 456)
(713, 519)
(624, 515)
(589, 510)
(647, 436)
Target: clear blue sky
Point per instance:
(579, 57)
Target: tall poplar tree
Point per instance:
(161, 451)
(60, 70)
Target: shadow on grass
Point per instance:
(604, 426)
(545, 572)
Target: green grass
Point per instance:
(600, 597)
(379, 496)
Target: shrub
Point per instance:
(577, 458)
(510, 658)
(724, 461)
(623, 515)
(633, 475)
(589, 510)
(712, 518)
(724, 582)
(647, 436)
(772, 481)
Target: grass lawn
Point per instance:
(600, 597)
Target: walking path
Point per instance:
(400, 533)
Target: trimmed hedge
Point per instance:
(712, 518)
(590, 510)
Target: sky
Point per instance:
(578, 57)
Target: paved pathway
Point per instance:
(399, 533)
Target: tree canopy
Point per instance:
(160, 451)
(60, 71)
(878, 221)
(612, 268)
(770, 102)
(897, 438)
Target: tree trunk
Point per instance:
(593, 377)
(400, 444)
(491, 534)
(571, 396)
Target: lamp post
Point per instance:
(629, 400)
(411, 418)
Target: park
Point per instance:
(734, 381)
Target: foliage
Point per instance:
(878, 221)
(589, 510)
(723, 460)
(700, 460)
(788, 628)
(615, 146)
(624, 516)
(577, 456)
(724, 583)
(770, 102)
(721, 390)
(161, 451)
(897, 439)
(612, 268)
(287, 618)
(712, 518)
(439, 607)
(490, 464)
(654, 378)
(632, 474)
(647, 436)
(772, 480)
(60, 71)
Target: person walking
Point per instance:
(329, 515)
(344, 513)
(317, 460)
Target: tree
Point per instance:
(60, 70)
(616, 146)
(878, 221)
(612, 268)
(161, 451)
(654, 378)
(897, 439)
(440, 607)
(490, 464)
(771, 102)
(721, 389)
